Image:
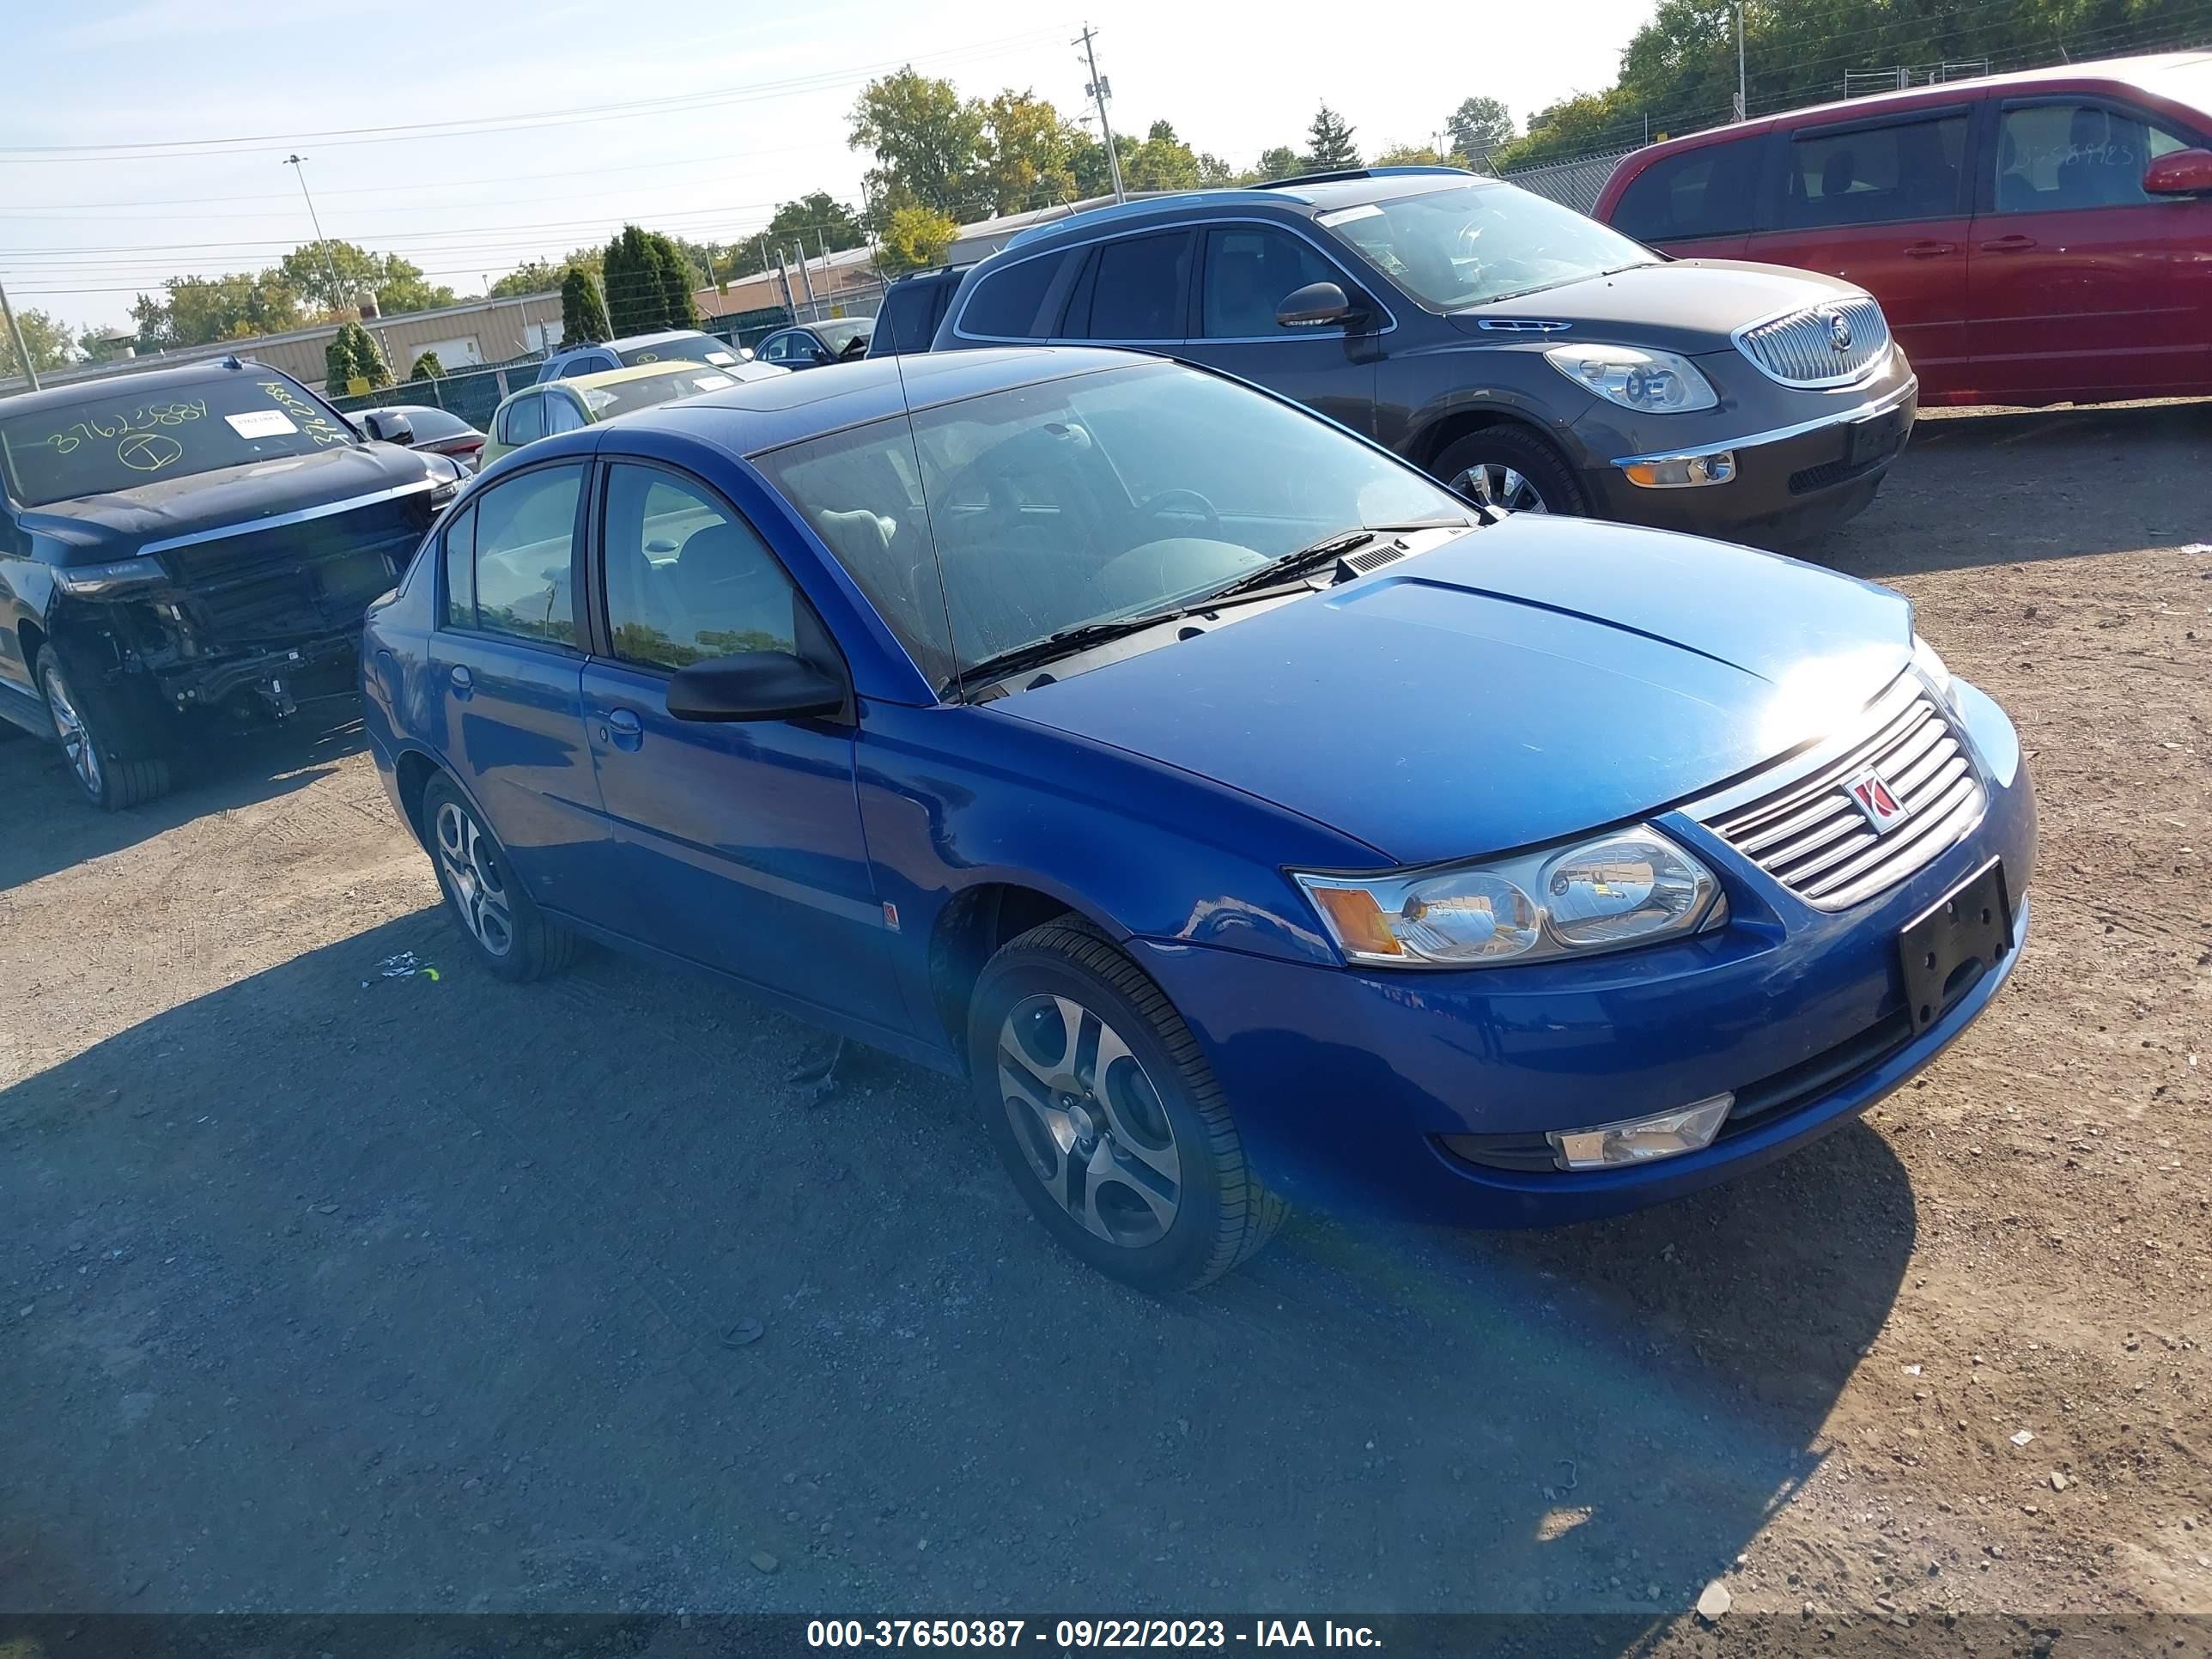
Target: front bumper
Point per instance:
(1804, 461)
(1345, 1081)
(283, 677)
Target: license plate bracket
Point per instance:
(1873, 438)
(1948, 948)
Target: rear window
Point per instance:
(1873, 175)
(1704, 191)
(688, 380)
(694, 349)
(116, 438)
(1017, 301)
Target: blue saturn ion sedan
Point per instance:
(1248, 818)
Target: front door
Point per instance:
(1249, 269)
(2077, 278)
(739, 845)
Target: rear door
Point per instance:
(2079, 277)
(1248, 270)
(1885, 202)
(1696, 204)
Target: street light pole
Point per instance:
(1738, 61)
(1105, 126)
(330, 267)
(22, 351)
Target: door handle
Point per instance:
(1930, 250)
(463, 681)
(622, 728)
(2013, 243)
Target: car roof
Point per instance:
(146, 382)
(630, 372)
(655, 338)
(754, 416)
(1308, 194)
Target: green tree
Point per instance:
(1213, 172)
(50, 342)
(1478, 126)
(531, 276)
(1087, 164)
(1408, 156)
(1163, 161)
(427, 368)
(678, 281)
(396, 284)
(201, 310)
(1280, 162)
(914, 237)
(1330, 144)
(352, 353)
(583, 313)
(637, 301)
(1027, 153)
(927, 142)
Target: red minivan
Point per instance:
(2038, 238)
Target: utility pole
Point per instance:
(22, 351)
(329, 268)
(1738, 61)
(1100, 92)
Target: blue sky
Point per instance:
(760, 93)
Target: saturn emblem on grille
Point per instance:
(1871, 793)
(1839, 329)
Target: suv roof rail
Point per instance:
(1338, 174)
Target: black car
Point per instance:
(424, 426)
(1521, 354)
(190, 543)
(911, 308)
(810, 345)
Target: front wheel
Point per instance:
(1507, 466)
(93, 735)
(513, 937)
(1107, 1115)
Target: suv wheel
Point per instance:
(513, 937)
(1107, 1115)
(1505, 466)
(90, 732)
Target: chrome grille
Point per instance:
(1799, 349)
(1811, 836)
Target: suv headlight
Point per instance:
(97, 581)
(1629, 887)
(1651, 382)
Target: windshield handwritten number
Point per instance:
(311, 420)
(139, 444)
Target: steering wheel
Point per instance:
(1168, 498)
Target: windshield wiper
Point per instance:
(1066, 643)
(1334, 546)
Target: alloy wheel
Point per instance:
(1090, 1120)
(1495, 484)
(470, 863)
(76, 739)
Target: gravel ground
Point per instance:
(330, 1291)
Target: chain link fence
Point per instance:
(1573, 184)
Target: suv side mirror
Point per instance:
(2180, 173)
(386, 426)
(754, 685)
(1314, 306)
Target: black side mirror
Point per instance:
(386, 426)
(1314, 306)
(855, 347)
(755, 685)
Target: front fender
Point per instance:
(1424, 394)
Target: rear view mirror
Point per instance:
(386, 426)
(1314, 306)
(754, 685)
(2180, 173)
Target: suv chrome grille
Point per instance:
(1827, 344)
(1812, 837)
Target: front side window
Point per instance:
(688, 580)
(1874, 175)
(982, 526)
(525, 538)
(1021, 300)
(1250, 269)
(524, 421)
(1706, 191)
(1138, 290)
(2066, 156)
(114, 438)
(1472, 244)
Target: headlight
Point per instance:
(1653, 382)
(1630, 888)
(1931, 669)
(92, 581)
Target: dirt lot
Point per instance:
(328, 1290)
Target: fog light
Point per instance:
(1684, 472)
(1640, 1140)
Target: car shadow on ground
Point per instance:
(335, 1290)
(2105, 480)
(46, 825)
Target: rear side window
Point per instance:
(1139, 288)
(1019, 301)
(1250, 269)
(562, 415)
(1706, 192)
(1873, 175)
(2062, 155)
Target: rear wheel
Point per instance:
(1107, 1115)
(1510, 467)
(95, 739)
(512, 936)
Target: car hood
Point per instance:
(94, 529)
(1522, 683)
(1682, 304)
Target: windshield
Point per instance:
(621, 396)
(842, 332)
(988, 524)
(691, 348)
(116, 438)
(1475, 243)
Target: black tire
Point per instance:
(1516, 449)
(106, 752)
(487, 902)
(1221, 1214)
